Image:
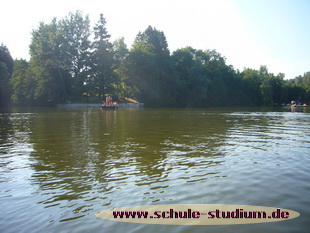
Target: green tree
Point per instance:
(141, 67)
(277, 83)
(306, 85)
(265, 86)
(299, 87)
(4, 80)
(6, 70)
(157, 39)
(120, 49)
(205, 78)
(183, 61)
(60, 59)
(151, 69)
(125, 86)
(23, 86)
(219, 75)
(45, 66)
(103, 77)
(6, 58)
(252, 84)
(75, 51)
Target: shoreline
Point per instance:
(98, 105)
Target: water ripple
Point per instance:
(60, 178)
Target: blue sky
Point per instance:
(249, 33)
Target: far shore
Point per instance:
(98, 105)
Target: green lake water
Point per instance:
(59, 167)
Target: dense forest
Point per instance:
(70, 61)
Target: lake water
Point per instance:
(59, 167)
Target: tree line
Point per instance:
(72, 62)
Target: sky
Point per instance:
(248, 33)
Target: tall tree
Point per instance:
(6, 70)
(152, 70)
(157, 39)
(125, 87)
(189, 66)
(6, 58)
(23, 85)
(252, 84)
(120, 49)
(205, 78)
(103, 77)
(306, 85)
(300, 87)
(46, 68)
(142, 70)
(277, 83)
(75, 51)
(4, 80)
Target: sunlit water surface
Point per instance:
(59, 167)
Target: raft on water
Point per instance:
(109, 107)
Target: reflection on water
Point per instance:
(58, 167)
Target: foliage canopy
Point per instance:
(70, 61)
